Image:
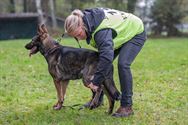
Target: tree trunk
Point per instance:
(131, 6)
(31, 6)
(54, 22)
(12, 6)
(24, 6)
(39, 11)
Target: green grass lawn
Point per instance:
(160, 74)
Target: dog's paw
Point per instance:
(57, 106)
(87, 105)
(94, 105)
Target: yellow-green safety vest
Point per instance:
(125, 25)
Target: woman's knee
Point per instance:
(123, 65)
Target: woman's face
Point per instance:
(79, 33)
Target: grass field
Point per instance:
(160, 74)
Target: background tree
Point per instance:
(40, 12)
(52, 8)
(131, 5)
(30, 6)
(80, 4)
(115, 4)
(12, 6)
(25, 6)
(166, 14)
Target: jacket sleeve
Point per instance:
(104, 44)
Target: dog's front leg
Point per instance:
(64, 85)
(61, 89)
(110, 100)
(95, 102)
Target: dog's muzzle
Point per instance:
(33, 49)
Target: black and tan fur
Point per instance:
(68, 63)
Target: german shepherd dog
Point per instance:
(68, 63)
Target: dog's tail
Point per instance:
(111, 89)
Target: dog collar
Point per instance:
(50, 51)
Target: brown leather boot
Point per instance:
(123, 112)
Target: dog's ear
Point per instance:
(39, 30)
(44, 28)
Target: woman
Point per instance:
(113, 33)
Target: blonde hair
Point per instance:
(73, 21)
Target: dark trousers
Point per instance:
(127, 54)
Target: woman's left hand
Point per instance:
(93, 87)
